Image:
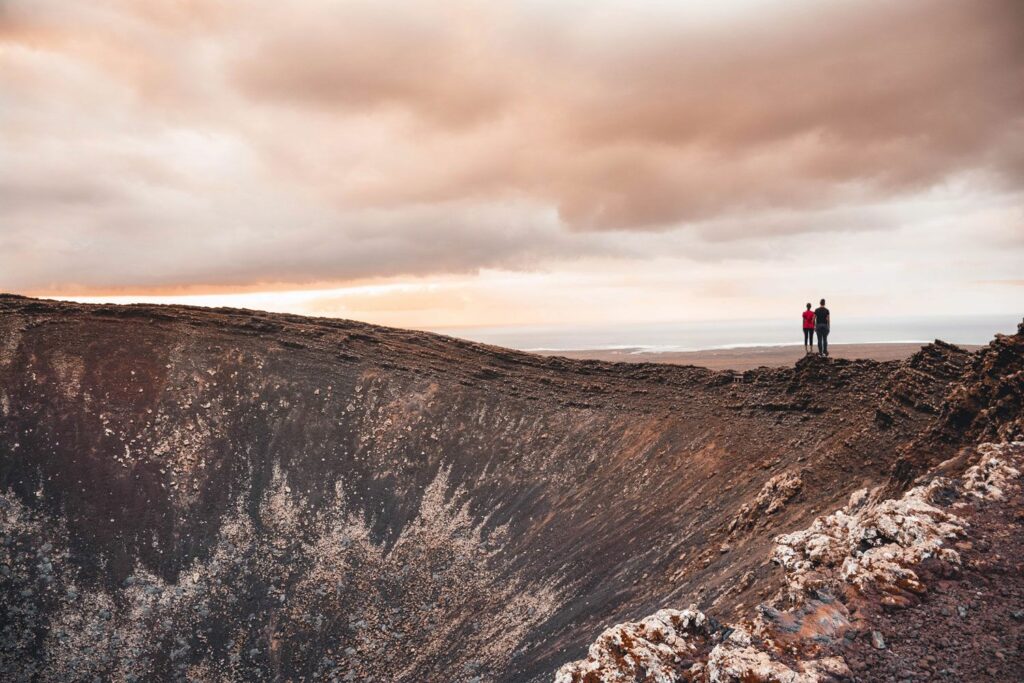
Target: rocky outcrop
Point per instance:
(869, 544)
(987, 404)
(738, 660)
(673, 645)
(775, 493)
(870, 551)
(662, 647)
(872, 544)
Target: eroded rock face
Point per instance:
(988, 403)
(305, 569)
(873, 546)
(869, 543)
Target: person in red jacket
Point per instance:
(808, 329)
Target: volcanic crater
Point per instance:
(221, 494)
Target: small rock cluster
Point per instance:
(685, 645)
(772, 497)
(661, 647)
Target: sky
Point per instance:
(573, 162)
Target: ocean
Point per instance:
(704, 335)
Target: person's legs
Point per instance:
(808, 339)
(823, 340)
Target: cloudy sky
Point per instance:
(438, 164)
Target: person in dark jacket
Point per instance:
(822, 322)
(808, 316)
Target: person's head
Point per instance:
(808, 307)
(822, 302)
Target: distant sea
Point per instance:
(698, 336)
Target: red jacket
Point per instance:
(808, 320)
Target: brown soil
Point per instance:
(968, 626)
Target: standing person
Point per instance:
(822, 321)
(808, 316)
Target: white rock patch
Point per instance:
(656, 646)
(876, 543)
(869, 542)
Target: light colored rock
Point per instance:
(868, 542)
(730, 662)
(777, 491)
(654, 646)
(772, 497)
(663, 647)
(995, 472)
(876, 543)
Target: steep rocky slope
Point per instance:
(224, 494)
(880, 590)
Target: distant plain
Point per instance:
(748, 358)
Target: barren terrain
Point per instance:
(219, 494)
